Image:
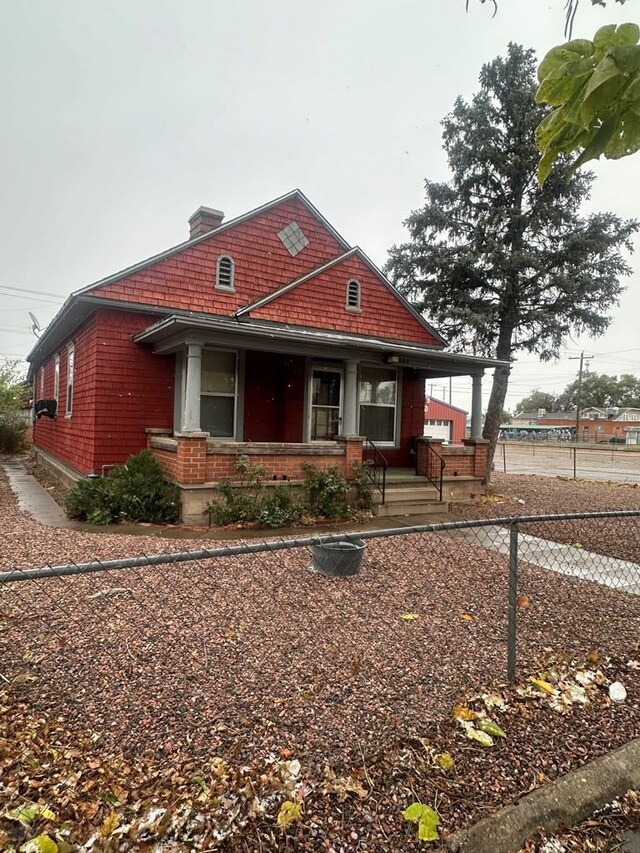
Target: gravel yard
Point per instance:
(258, 660)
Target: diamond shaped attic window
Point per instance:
(293, 238)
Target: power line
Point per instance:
(30, 290)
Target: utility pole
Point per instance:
(582, 358)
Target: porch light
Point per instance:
(392, 358)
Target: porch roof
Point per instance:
(172, 332)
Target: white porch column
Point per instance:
(350, 406)
(476, 406)
(191, 410)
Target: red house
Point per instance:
(267, 335)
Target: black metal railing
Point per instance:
(375, 465)
(434, 468)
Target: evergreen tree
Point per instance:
(499, 263)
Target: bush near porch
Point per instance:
(326, 494)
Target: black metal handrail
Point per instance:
(434, 468)
(375, 465)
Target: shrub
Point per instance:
(363, 486)
(136, 491)
(280, 507)
(91, 497)
(326, 490)
(12, 430)
(141, 493)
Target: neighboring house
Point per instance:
(442, 420)
(596, 424)
(267, 335)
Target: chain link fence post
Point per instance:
(513, 593)
(575, 449)
(504, 456)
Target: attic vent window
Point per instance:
(225, 273)
(353, 296)
(293, 238)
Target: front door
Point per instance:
(326, 404)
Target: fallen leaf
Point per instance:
(473, 733)
(409, 617)
(40, 844)
(542, 685)
(427, 820)
(489, 727)
(523, 601)
(110, 823)
(289, 813)
(445, 761)
(461, 712)
(467, 617)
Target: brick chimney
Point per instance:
(203, 220)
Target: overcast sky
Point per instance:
(121, 118)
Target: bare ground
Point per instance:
(258, 660)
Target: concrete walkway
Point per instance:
(34, 499)
(565, 559)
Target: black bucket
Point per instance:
(338, 559)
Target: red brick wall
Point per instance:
(186, 280)
(119, 389)
(220, 467)
(321, 302)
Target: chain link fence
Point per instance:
(609, 463)
(262, 647)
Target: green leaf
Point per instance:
(627, 34)
(562, 54)
(598, 144)
(627, 58)
(562, 84)
(546, 164)
(40, 844)
(488, 726)
(549, 127)
(605, 81)
(604, 39)
(626, 139)
(427, 820)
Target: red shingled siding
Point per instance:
(119, 389)
(134, 388)
(274, 397)
(320, 302)
(72, 439)
(262, 264)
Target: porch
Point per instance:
(285, 397)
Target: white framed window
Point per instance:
(219, 393)
(41, 383)
(56, 377)
(71, 359)
(225, 273)
(353, 296)
(378, 399)
(293, 238)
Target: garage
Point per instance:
(436, 428)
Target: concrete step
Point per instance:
(428, 507)
(407, 493)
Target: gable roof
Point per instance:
(356, 251)
(296, 194)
